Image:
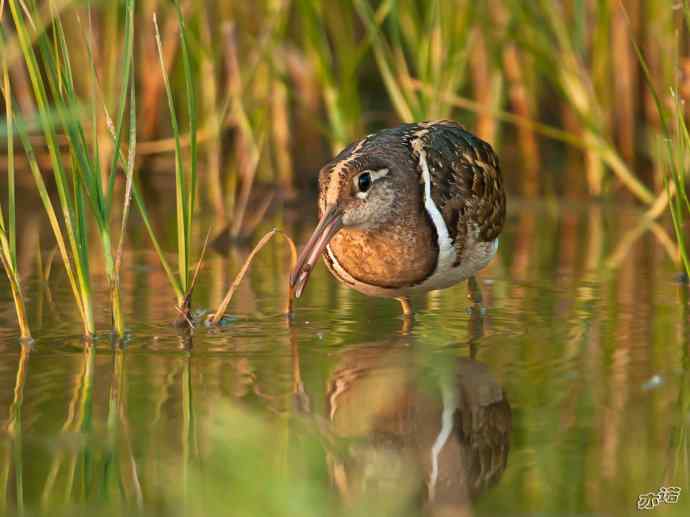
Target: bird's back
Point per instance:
(465, 181)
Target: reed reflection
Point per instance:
(14, 443)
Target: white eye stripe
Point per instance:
(375, 175)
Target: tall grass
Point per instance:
(544, 28)
(676, 149)
(80, 183)
(185, 177)
(428, 42)
(332, 47)
(8, 237)
(677, 179)
(555, 62)
(255, 95)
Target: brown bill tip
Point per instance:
(329, 225)
(301, 282)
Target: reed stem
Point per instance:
(8, 242)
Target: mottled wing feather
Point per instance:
(465, 182)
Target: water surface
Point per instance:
(568, 397)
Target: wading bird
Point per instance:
(406, 210)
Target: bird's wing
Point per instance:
(466, 183)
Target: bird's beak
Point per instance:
(330, 223)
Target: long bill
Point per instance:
(331, 222)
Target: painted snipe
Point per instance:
(405, 210)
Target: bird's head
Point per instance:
(360, 191)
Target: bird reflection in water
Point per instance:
(411, 431)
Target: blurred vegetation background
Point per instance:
(283, 83)
(245, 101)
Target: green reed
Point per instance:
(331, 46)
(412, 44)
(8, 237)
(546, 30)
(420, 54)
(80, 183)
(185, 177)
(73, 256)
(676, 150)
(677, 141)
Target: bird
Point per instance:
(407, 210)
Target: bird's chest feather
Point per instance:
(392, 257)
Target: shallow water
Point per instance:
(568, 397)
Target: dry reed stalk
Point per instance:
(576, 183)
(519, 99)
(666, 242)
(220, 312)
(247, 145)
(591, 144)
(626, 77)
(305, 89)
(281, 139)
(513, 64)
(22, 89)
(209, 100)
(594, 167)
(482, 81)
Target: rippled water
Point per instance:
(568, 397)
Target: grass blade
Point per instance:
(180, 182)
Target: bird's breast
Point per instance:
(391, 257)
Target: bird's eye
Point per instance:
(364, 181)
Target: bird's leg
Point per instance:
(476, 311)
(406, 307)
(475, 294)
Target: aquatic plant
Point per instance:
(8, 236)
(424, 44)
(332, 48)
(541, 60)
(185, 177)
(82, 182)
(676, 150)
